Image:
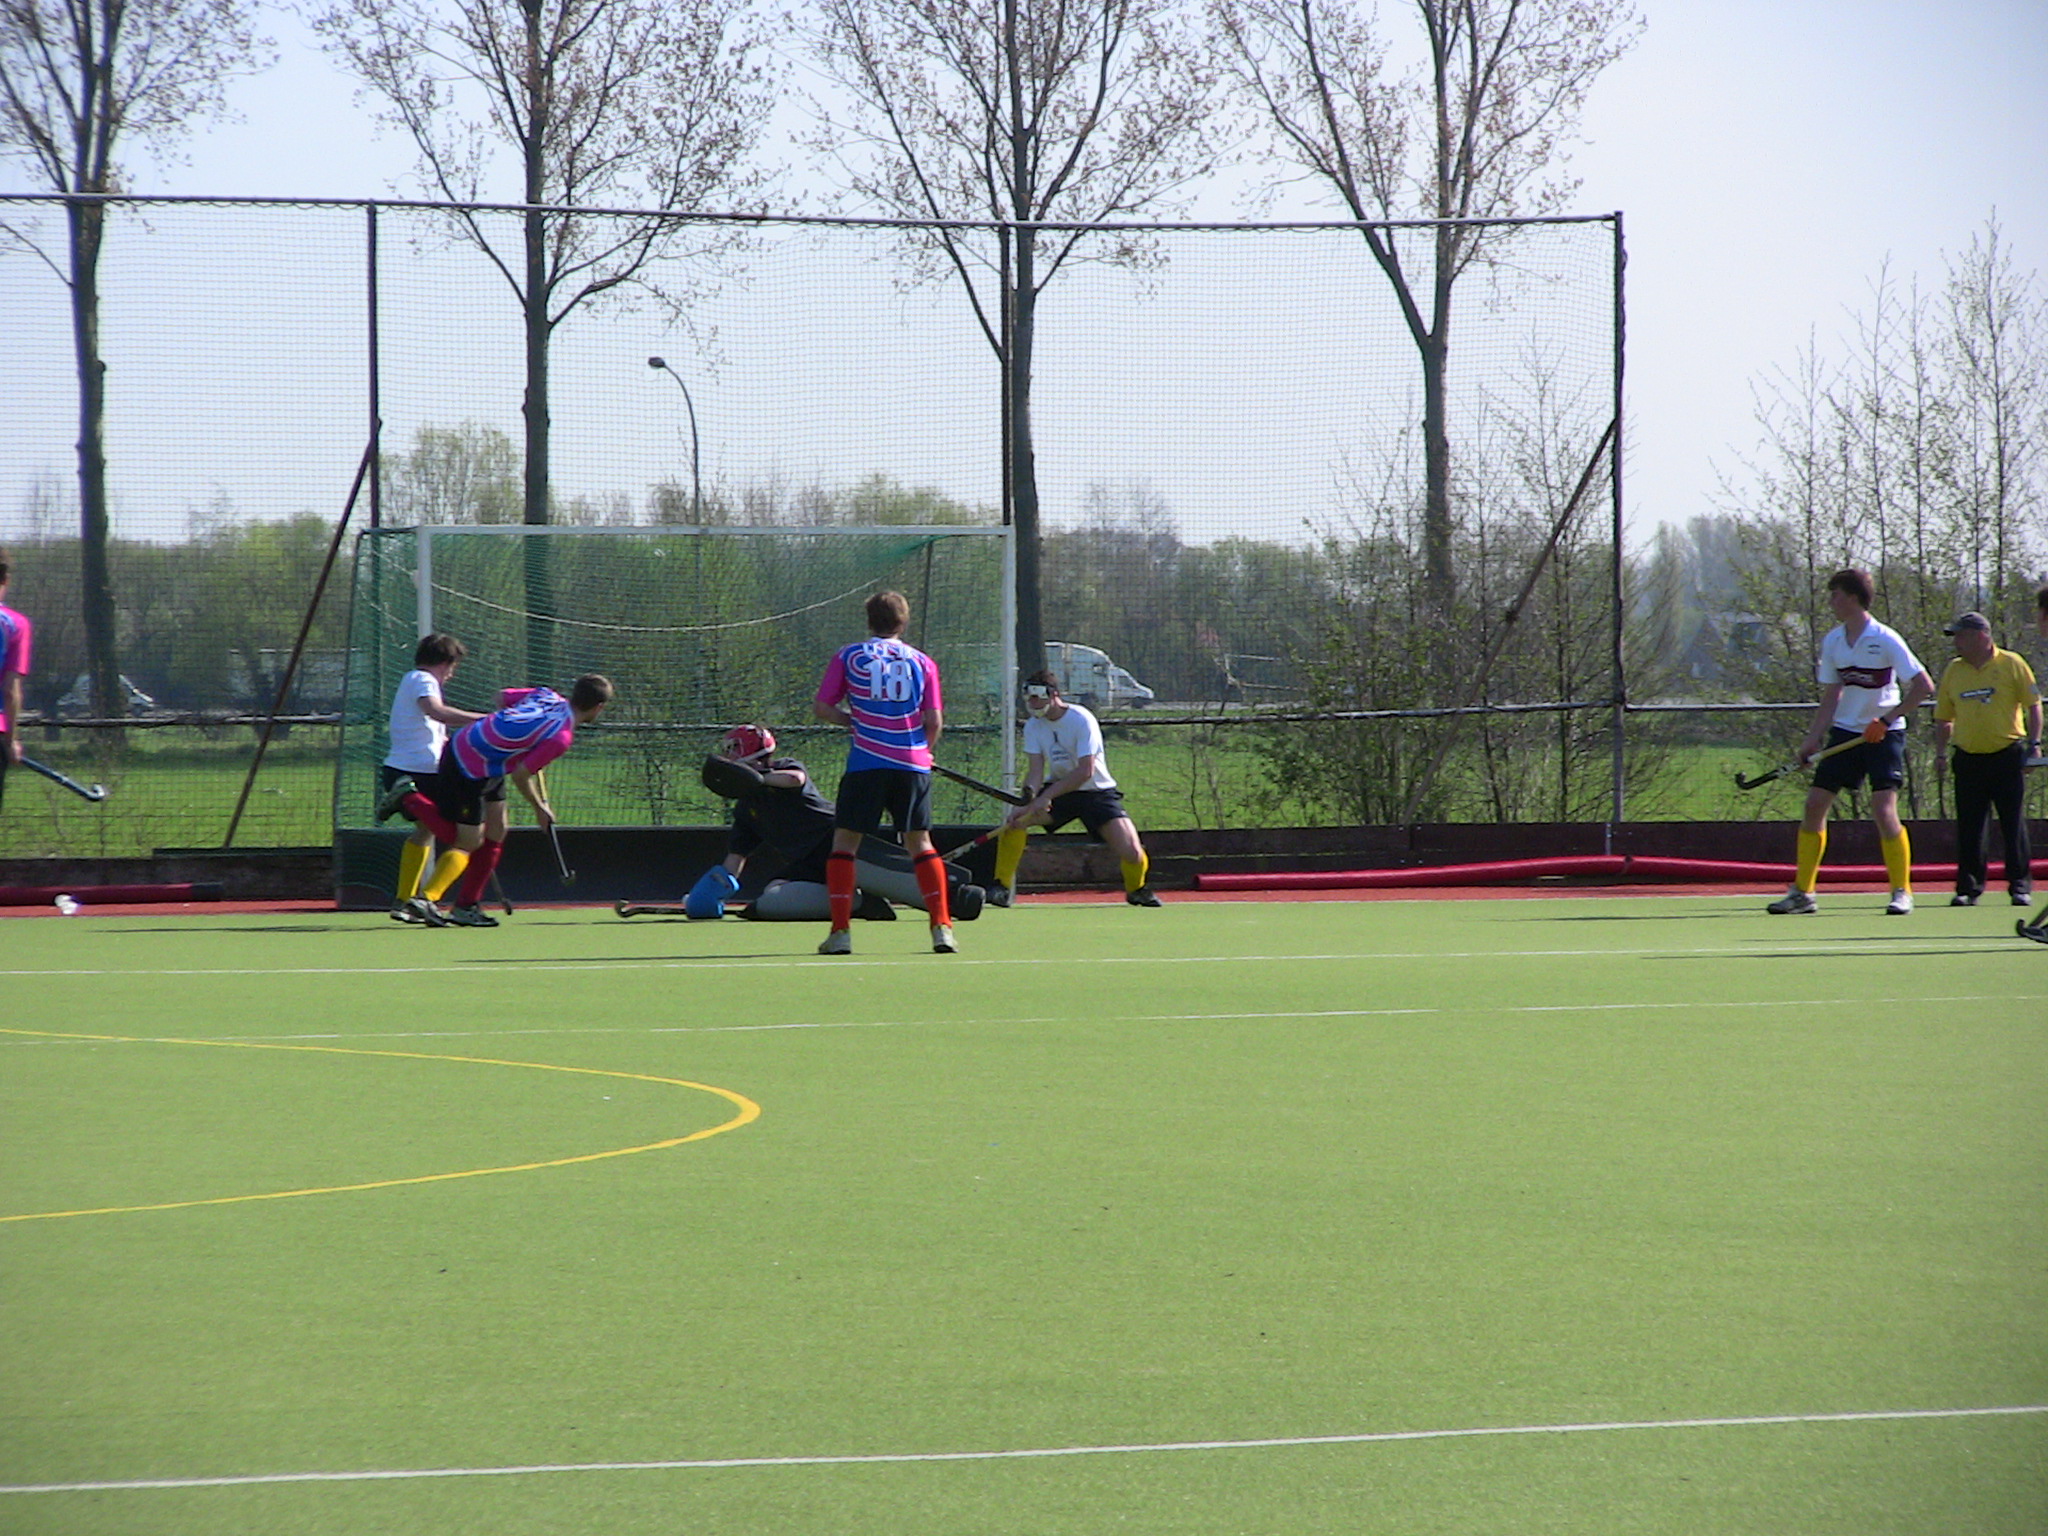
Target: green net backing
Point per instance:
(699, 629)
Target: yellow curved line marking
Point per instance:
(749, 1111)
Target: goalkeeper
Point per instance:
(778, 811)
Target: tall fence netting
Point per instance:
(1228, 449)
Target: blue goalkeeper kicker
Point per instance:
(709, 895)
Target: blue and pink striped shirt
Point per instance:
(535, 726)
(15, 638)
(886, 685)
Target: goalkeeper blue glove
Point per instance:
(708, 896)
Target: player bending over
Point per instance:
(1067, 775)
(886, 692)
(464, 801)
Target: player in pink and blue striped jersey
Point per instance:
(464, 803)
(886, 692)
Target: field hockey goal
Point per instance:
(699, 628)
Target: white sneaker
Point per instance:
(942, 939)
(1794, 900)
(1902, 903)
(838, 942)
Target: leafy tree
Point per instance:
(1028, 118)
(465, 474)
(79, 81)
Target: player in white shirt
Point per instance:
(1067, 776)
(1862, 665)
(420, 719)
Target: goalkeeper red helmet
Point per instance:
(744, 742)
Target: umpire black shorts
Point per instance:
(1093, 808)
(456, 795)
(866, 795)
(1883, 763)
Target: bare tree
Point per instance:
(1016, 114)
(649, 104)
(79, 81)
(1476, 131)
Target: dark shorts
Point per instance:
(1882, 763)
(456, 795)
(1093, 808)
(868, 794)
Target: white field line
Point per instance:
(1688, 1005)
(1277, 1443)
(474, 967)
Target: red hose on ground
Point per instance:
(1612, 867)
(108, 895)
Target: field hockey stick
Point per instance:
(97, 793)
(990, 790)
(974, 842)
(498, 890)
(562, 869)
(647, 909)
(1782, 769)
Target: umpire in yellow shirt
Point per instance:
(1988, 705)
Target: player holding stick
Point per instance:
(464, 802)
(1067, 778)
(1861, 665)
(420, 721)
(886, 692)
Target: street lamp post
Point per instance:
(696, 477)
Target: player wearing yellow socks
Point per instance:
(420, 719)
(1870, 682)
(1067, 775)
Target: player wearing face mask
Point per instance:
(1067, 776)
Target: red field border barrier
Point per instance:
(1611, 867)
(109, 895)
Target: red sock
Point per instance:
(931, 880)
(428, 815)
(469, 891)
(839, 883)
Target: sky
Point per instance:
(1769, 158)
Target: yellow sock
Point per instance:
(412, 863)
(1134, 874)
(1811, 846)
(447, 870)
(1898, 860)
(1009, 854)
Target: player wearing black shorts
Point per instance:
(1067, 775)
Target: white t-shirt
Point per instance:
(1064, 742)
(1870, 672)
(416, 737)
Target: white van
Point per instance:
(1088, 676)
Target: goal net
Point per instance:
(700, 629)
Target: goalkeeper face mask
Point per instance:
(1037, 696)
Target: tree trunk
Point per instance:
(87, 223)
(537, 552)
(1024, 463)
(1440, 578)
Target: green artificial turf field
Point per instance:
(1522, 1216)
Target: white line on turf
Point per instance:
(128, 1485)
(1688, 1005)
(524, 967)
